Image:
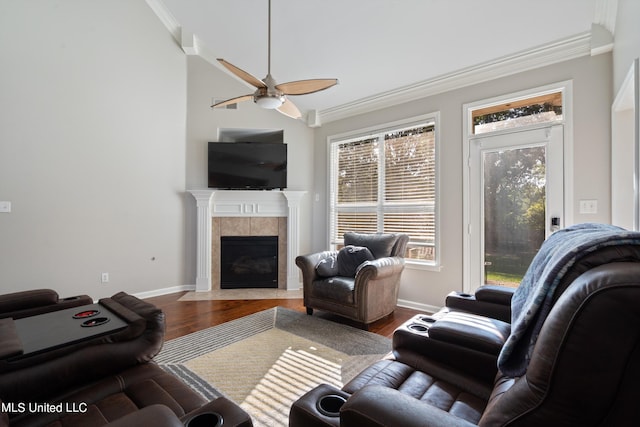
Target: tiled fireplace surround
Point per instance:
(246, 213)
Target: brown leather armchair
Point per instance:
(359, 284)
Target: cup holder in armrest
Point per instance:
(416, 327)
(330, 404)
(205, 419)
(427, 319)
(97, 321)
(421, 323)
(86, 313)
(464, 295)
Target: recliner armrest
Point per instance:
(232, 414)
(495, 294)
(453, 340)
(489, 300)
(383, 406)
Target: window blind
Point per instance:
(410, 165)
(386, 183)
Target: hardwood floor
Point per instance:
(185, 317)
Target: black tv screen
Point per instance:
(247, 165)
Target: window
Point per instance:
(385, 181)
(517, 113)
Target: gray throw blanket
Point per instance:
(532, 300)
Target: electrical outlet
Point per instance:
(5, 207)
(105, 278)
(588, 206)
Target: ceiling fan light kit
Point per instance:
(269, 102)
(270, 95)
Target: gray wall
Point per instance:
(92, 147)
(592, 100)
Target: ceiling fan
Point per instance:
(268, 93)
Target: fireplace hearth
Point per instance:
(248, 262)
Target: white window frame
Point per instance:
(566, 87)
(426, 119)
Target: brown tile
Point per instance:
(264, 226)
(232, 226)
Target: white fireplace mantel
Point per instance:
(228, 203)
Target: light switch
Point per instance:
(5, 207)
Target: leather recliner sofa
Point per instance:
(580, 368)
(107, 380)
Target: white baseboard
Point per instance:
(427, 308)
(164, 291)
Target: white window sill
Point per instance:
(417, 265)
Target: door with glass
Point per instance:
(516, 201)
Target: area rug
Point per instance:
(267, 360)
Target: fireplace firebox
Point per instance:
(248, 262)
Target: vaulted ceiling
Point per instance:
(384, 50)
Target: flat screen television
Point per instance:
(247, 165)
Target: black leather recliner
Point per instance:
(106, 380)
(583, 369)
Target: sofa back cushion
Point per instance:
(380, 244)
(328, 267)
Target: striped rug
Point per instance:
(265, 361)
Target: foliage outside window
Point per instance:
(514, 212)
(386, 182)
(537, 109)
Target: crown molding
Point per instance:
(190, 43)
(166, 18)
(562, 50)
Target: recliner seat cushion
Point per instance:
(350, 258)
(118, 395)
(422, 386)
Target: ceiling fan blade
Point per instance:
(288, 108)
(253, 81)
(303, 87)
(232, 101)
